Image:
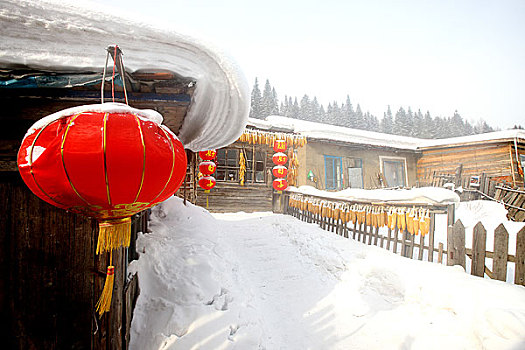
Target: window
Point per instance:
(355, 173)
(394, 171)
(333, 173)
(228, 165)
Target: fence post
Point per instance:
(519, 275)
(501, 250)
(479, 243)
(456, 244)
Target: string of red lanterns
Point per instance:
(207, 167)
(279, 170)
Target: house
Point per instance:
(53, 58)
(499, 155)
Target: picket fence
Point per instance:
(403, 243)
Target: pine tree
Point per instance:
(274, 103)
(400, 123)
(359, 118)
(256, 100)
(267, 100)
(387, 123)
(305, 108)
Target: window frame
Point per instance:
(336, 180)
(402, 160)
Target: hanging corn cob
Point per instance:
(417, 214)
(242, 167)
(424, 223)
(410, 221)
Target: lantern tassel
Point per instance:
(104, 302)
(113, 234)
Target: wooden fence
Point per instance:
(400, 241)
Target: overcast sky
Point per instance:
(439, 55)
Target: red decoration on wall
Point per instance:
(279, 171)
(207, 168)
(280, 158)
(207, 182)
(280, 184)
(208, 155)
(279, 145)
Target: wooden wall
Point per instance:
(232, 197)
(497, 160)
(312, 158)
(50, 277)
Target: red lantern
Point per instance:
(208, 155)
(280, 158)
(279, 145)
(279, 171)
(105, 161)
(207, 167)
(207, 182)
(280, 184)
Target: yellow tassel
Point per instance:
(104, 302)
(113, 233)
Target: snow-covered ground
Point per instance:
(267, 281)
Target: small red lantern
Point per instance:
(208, 155)
(279, 171)
(279, 145)
(207, 168)
(280, 184)
(279, 158)
(207, 182)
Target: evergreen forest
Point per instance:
(404, 122)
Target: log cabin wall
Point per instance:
(228, 195)
(364, 162)
(496, 160)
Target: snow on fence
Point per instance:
(338, 216)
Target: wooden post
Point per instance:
(456, 244)
(519, 275)
(431, 237)
(451, 215)
(388, 238)
(376, 235)
(479, 242)
(440, 253)
(501, 249)
(404, 243)
(421, 247)
(370, 234)
(396, 230)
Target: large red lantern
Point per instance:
(208, 155)
(279, 171)
(207, 167)
(207, 182)
(280, 184)
(106, 161)
(279, 145)
(279, 158)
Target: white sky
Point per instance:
(440, 55)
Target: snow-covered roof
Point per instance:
(47, 34)
(320, 131)
(503, 135)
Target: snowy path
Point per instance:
(287, 285)
(269, 282)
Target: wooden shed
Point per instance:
(499, 156)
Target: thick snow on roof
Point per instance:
(321, 131)
(490, 136)
(57, 36)
(336, 133)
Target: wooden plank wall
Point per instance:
(50, 277)
(232, 197)
(493, 159)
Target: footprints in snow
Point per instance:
(221, 301)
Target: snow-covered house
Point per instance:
(499, 155)
(52, 56)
